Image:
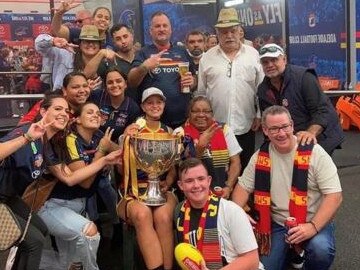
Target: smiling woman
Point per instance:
(25, 166)
(117, 110)
(214, 143)
(62, 213)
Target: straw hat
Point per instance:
(227, 17)
(90, 32)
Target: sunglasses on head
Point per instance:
(270, 49)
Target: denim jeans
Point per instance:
(108, 194)
(64, 220)
(319, 250)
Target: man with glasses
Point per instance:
(82, 17)
(297, 89)
(291, 180)
(229, 74)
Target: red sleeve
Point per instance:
(31, 115)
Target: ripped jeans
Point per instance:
(64, 220)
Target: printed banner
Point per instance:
(317, 36)
(262, 21)
(26, 26)
(128, 12)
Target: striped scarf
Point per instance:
(216, 156)
(207, 238)
(262, 200)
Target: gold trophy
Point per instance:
(183, 69)
(155, 153)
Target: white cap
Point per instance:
(270, 50)
(151, 91)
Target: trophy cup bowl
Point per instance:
(155, 154)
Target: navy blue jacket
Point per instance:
(308, 105)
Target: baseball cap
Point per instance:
(270, 50)
(151, 92)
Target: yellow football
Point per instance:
(188, 257)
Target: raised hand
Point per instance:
(105, 142)
(155, 60)
(64, 44)
(65, 6)
(206, 136)
(94, 84)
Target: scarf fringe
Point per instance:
(264, 242)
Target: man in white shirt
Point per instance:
(229, 74)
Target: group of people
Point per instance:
(72, 136)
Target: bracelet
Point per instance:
(101, 150)
(313, 223)
(28, 137)
(144, 68)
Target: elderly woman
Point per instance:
(214, 143)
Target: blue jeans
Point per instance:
(319, 250)
(108, 194)
(64, 220)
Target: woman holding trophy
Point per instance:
(151, 214)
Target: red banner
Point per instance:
(5, 33)
(24, 44)
(38, 29)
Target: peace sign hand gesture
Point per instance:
(66, 6)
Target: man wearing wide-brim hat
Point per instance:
(229, 74)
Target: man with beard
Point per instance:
(229, 74)
(195, 45)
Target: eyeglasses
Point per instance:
(229, 69)
(276, 130)
(270, 49)
(207, 112)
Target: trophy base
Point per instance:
(153, 195)
(154, 202)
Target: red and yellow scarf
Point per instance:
(262, 200)
(207, 239)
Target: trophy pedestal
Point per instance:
(153, 195)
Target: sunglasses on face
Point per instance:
(270, 49)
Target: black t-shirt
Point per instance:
(27, 164)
